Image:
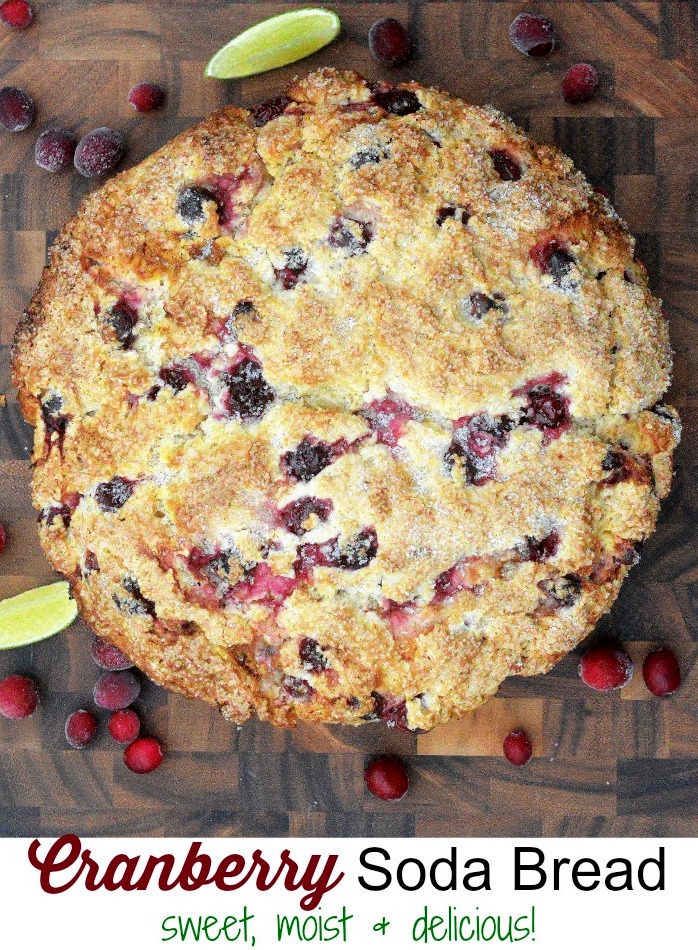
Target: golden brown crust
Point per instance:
(349, 415)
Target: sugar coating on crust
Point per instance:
(348, 415)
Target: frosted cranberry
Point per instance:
(388, 418)
(123, 319)
(248, 392)
(541, 550)
(389, 43)
(296, 688)
(64, 511)
(98, 152)
(559, 593)
(19, 697)
(606, 667)
(116, 690)
(580, 83)
(17, 14)
(517, 747)
(271, 109)
(109, 657)
(307, 460)
(506, 165)
(397, 101)
(554, 258)
(17, 109)
(80, 728)
(140, 604)
(54, 149)
(386, 778)
(391, 711)
(175, 377)
(480, 305)
(661, 672)
(146, 96)
(358, 552)
(113, 495)
(314, 660)
(3, 538)
(301, 515)
(124, 726)
(55, 422)
(294, 268)
(546, 408)
(476, 441)
(532, 34)
(349, 235)
(367, 156)
(143, 756)
(190, 203)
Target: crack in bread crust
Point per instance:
(349, 415)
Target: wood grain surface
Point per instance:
(625, 764)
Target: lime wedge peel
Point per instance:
(35, 615)
(274, 42)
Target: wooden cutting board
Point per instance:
(604, 765)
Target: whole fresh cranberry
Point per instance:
(661, 672)
(532, 34)
(386, 778)
(580, 83)
(108, 656)
(116, 690)
(19, 697)
(54, 149)
(98, 152)
(124, 726)
(17, 109)
(606, 667)
(146, 96)
(389, 43)
(517, 747)
(80, 728)
(143, 755)
(17, 14)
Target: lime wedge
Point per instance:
(275, 42)
(35, 615)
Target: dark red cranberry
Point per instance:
(388, 418)
(532, 34)
(517, 747)
(176, 377)
(143, 755)
(124, 726)
(116, 690)
(389, 43)
(541, 550)
(390, 710)
(349, 235)
(368, 156)
(190, 203)
(294, 268)
(506, 165)
(80, 728)
(54, 149)
(296, 688)
(480, 305)
(55, 423)
(122, 318)
(546, 408)
(453, 211)
(559, 592)
(140, 604)
(301, 515)
(314, 660)
(386, 778)
(19, 697)
(623, 466)
(580, 83)
(359, 551)
(661, 672)
(3, 538)
(307, 460)
(248, 394)
(271, 109)
(606, 667)
(63, 511)
(98, 152)
(476, 440)
(110, 496)
(109, 657)
(17, 109)
(398, 101)
(17, 14)
(553, 258)
(146, 96)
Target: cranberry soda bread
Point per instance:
(347, 409)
